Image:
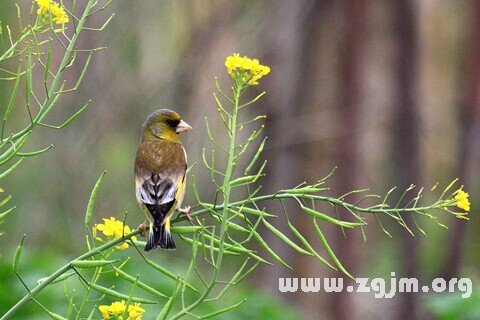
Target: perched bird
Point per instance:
(160, 169)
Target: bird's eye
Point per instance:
(173, 123)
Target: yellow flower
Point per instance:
(233, 62)
(43, 3)
(118, 308)
(245, 69)
(112, 229)
(135, 312)
(462, 200)
(55, 10)
(115, 309)
(122, 246)
(104, 311)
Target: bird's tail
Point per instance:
(160, 236)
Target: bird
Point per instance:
(160, 175)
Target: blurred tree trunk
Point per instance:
(469, 139)
(406, 139)
(285, 156)
(310, 108)
(348, 157)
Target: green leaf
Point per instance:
(218, 312)
(86, 264)
(34, 153)
(329, 219)
(232, 225)
(168, 306)
(90, 316)
(115, 294)
(167, 273)
(56, 316)
(330, 252)
(230, 249)
(254, 212)
(92, 200)
(9, 170)
(285, 239)
(7, 212)
(304, 190)
(270, 251)
(18, 253)
(244, 180)
(140, 284)
(5, 200)
(256, 156)
(61, 278)
(308, 246)
(14, 149)
(185, 229)
(12, 99)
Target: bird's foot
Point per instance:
(186, 212)
(143, 229)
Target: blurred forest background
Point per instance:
(388, 91)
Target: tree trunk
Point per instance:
(285, 157)
(469, 139)
(348, 153)
(406, 140)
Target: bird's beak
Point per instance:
(182, 127)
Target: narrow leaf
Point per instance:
(61, 278)
(56, 316)
(218, 312)
(330, 252)
(9, 170)
(115, 294)
(6, 213)
(254, 212)
(34, 153)
(140, 284)
(18, 253)
(14, 149)
(329, 219)
(229, 251)
(167, 273)
(86, 264)
(92, 200)
(270, 251)
(308, 246)
(185, 229)
(168, 306)
(256, 156)
(285, 239)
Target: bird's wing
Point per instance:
(160, 169)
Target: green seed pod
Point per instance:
(18, 253)
(85, 264)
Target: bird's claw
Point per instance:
(143, 229)
(186, 212)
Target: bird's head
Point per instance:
(164, 124)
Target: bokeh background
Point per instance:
(388, 91)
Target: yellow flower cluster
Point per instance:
(49, 7)
(250, 70)
(112, 229)
(118, 308)
(462, 200)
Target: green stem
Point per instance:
(225, 205)
(331, 200)
(53, 88)
(95, 277)
(64, 269)
(6, 54)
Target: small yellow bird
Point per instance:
(160, 169)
